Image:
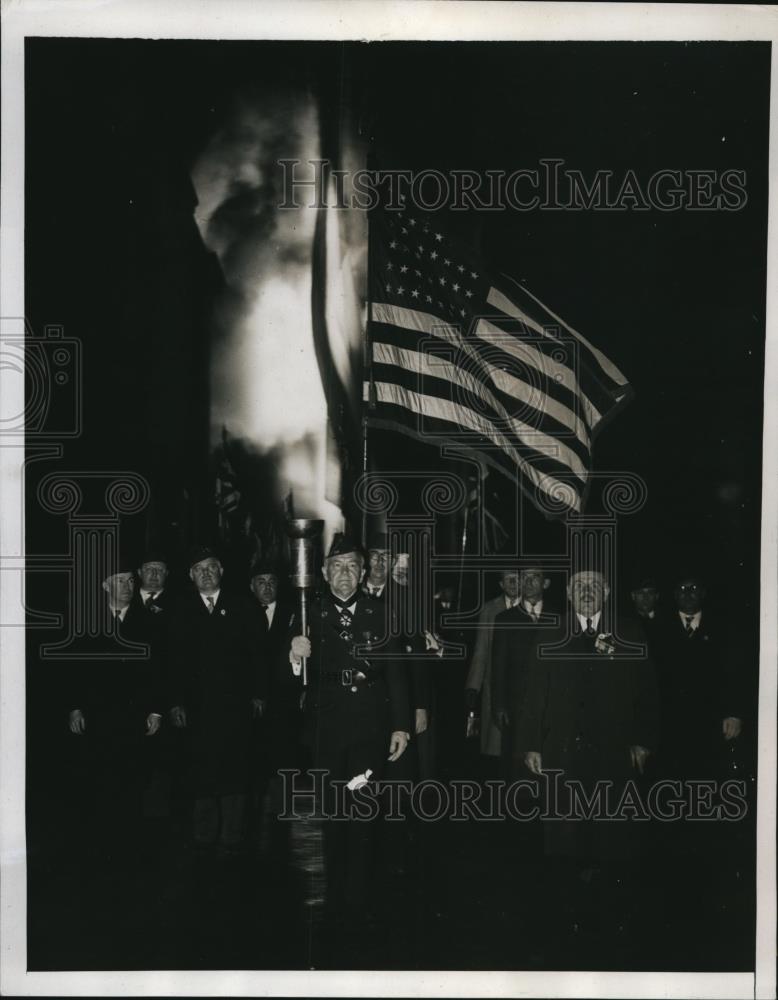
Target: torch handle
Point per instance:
(304, 627)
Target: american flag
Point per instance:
(461, 358)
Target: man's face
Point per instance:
(206, 575)
(378, 566)
(153, 575)
(343, 573)
(400, 568)
(689, 595)
(645, 600)
(509, 583)
(532, 584)
(264, 586)
(588, 592)
(120, 587)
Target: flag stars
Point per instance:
(400, 290)
(389, 266)
(428, 298)
(421, 248)
(415, 293)
(473, 274)
(438, 237)
(434, 255)
(468, 294)
(403, 269)
(446, 261)
(411, 222)
(404, 230)
(393, 245)
(455, 286)
(461, 269)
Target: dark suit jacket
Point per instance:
(393, 600)
(218, 663)
(279, 730)
(155, 618)
(515, 634)
(700, 685)
(277, 643)
(116, 695)
(583, 711)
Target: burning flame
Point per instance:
(265, 381)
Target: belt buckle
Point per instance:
(347, 677)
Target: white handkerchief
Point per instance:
(359, 781)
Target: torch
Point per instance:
(303, 536)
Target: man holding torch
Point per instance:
(356, 710)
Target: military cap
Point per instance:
(153, 554)
(265, 567)
(201, 552)
(342, 544)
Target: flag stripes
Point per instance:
(460, 358)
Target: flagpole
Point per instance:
(462, 556)
(370, 403)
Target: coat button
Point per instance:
(353, 688)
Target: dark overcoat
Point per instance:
(584, 709)
(218, 664)
(117, 694)
(280, 727)
(700, 685)
(515, 634)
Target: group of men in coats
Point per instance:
(697, 672)
(189, 672)
(577, 691)
(200, 666)
(595, 694)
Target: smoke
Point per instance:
(265, 382)
(238, 184)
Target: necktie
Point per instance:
(150, 599)
(689, 620)
(118, 614)
(210, 605)
(589, 629)
(532, 612)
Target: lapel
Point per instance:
(680, 625)
(282, 619)
(583, 643)
(218, 608)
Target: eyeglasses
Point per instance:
(689, 588)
